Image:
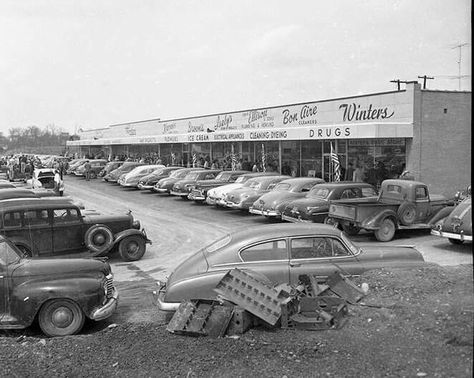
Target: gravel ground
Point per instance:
(412, 323)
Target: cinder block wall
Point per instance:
(440, 153)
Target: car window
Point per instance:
(319, 193)
(349, 193)
(421, 193)
(368, 192)
(307, 187)
(282, 186)
(209, 176)
(12, 219)
(394, 188)
(35, 217)
(65, 215)
(7, 254)
(309, 248)
(272, 250)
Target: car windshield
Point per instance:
(282, 186)
(8, 255)
(254, 185)
(223, 176)
(319, 193)
(192, 176)
(218, 244)
(241, 179)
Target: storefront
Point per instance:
(380, 133)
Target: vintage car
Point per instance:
(457, 226)
(217, 195)
(56, 226)
(73, 164)
(314, 207)
(109, 167)
(42, 178)
(148, 182)
(279, 253)
(25, 193)
(124, 168)
(165, 185)
(60, 294)
(131, 179)
(200, 189)
(401, 205)
(96, 167)
(273, 203)
(242, 198)
(5, 184)
(183, 187)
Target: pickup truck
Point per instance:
(401, 204)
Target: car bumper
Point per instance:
(233, 205)
(145, 187)
(160, 301)
(451, 235)
(160, 190)
(211, 201)
(253, 210)
(179, 194)
(128, 185)
(196, 196)
(295, 220)
(107, 309)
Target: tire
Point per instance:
(350, 229)
(407, 213)
(132, 248)
(99, 239)
(455, 241)
(60, 317)
(386, 232)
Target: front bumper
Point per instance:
(295, 220)
(179, 194)
(145, 187)
(196, 196)
(211, 201)
(240, 205)
(159, 296)
(107, 309)
(451, 235)
(253, 210)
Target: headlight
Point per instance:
(136, 224)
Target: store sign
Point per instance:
(355, 112)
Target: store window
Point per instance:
(290, 158)
(311, 158)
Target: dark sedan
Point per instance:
(274, 202)
(165, 185)
(200, 189)
(314, 207)
(123, 169)
(457, 226)
(148, 182)
(280, 253)
(183, 187)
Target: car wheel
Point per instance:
(99, 239)
(350, 229)
(61, 317)
(132, 248)
(386, 232)
(407, 213)
(455, 241)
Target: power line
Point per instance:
(424, 77)
(459, 46)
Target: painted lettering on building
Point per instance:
(354, 112)
(330, 132)
(130, 130)
(169, 128)
(305, 116)
(229, 136)
(195, 128)
(268, 134)
(224, 123)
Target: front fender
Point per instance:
(27, 299)
(119, 236)
(443, 213)
(374, 221)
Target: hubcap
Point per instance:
(62, 317)
(99, 239)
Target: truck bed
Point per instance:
(358, 209)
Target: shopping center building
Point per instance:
(426, 132)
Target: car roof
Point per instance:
(344, 184)
(299, 180)
(269, 178)
(9, 193)
(47, 202)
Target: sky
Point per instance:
(92, 63)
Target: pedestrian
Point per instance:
(359, 175)
(58, 183)
(87, 170)
(349, 174)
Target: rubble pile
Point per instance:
(245, 301)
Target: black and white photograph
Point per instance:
(222, 188)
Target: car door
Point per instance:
(37, 228)
(422, 203)
(321, 256)
(68, 230)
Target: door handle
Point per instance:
(295, 265)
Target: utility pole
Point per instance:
(424, 80)
(398, 83)
(459, 46)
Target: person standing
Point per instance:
(87, 170)
(58, 183)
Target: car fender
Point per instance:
(28, 297)
(24, 242)
(373, 222)
(118, 237)
(441, 214)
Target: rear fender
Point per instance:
(118, 237)
(373, 222)
(443, 213)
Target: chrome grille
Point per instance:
(109, 285)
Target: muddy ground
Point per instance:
(413, 323)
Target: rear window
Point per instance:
(192, 176)
(319, 193)
(282, 186)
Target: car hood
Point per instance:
(273, 199)
(382, 256)
(208, 183)
(226, 188)
(50, 267)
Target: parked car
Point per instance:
(216, 196)
(314, 207)
(60, 294)
(56, 226)
(131, 179)
(96, 167)
(183, 187)
(42, 178)
(457, 226)
(109, 167)
(273, 203)
(165, 185)
(4, 184)
(279, 253)
(124, 168)
(148, 182)
(242, 198)
(199, 190)
(10, 193)
(73, 164)
(402, 204)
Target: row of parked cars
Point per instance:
(351, 206)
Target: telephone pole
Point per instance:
(424, 77)
(398, 83)
(459, 46)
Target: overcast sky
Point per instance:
(92, 63)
